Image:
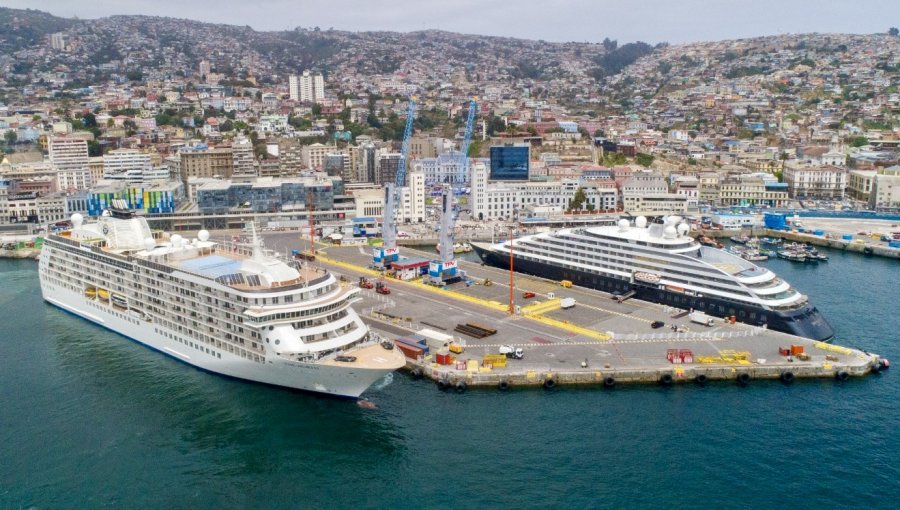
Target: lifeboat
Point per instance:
(90, 293)
(103, 294)
(119, 301)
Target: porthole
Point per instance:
(277, 342)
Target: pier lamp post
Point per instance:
(512, 303)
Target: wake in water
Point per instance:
(384, 382)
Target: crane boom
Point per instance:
(388, 251)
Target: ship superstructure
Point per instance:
(660, 262)
(230, 308)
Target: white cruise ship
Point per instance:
(661, 263)
(227, 308)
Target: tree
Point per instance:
(10, 136)
(858, 141)
(643, 159)
(577, 202)
(893, 31)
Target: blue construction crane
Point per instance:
(467, 140)
(445, 269)
(388, 252)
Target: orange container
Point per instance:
(796, 349)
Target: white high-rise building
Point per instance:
(308, 87)
(58, 41)
(126, 164)
(294, 87)
(70, 157)
(244, 160)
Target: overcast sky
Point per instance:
(553, 20)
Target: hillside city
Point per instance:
(210, 125)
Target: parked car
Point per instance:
(657, 324)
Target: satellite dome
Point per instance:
(149, 243)
(175, 241)
(641, 222)
(674, 220)
(684, 228)
(623, 225)
(203, 235)
(669, 232)
(77, 220)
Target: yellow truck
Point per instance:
(565, 283)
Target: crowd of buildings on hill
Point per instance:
(201, 142)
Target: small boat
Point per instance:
(770, 240)
(754, 256)
(793, 256)
(706, 241)
(740, 239)
(461, 248)
(103, 294)
(119, 301)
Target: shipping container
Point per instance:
(412, 343)
(410, 351)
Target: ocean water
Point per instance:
(89, 419)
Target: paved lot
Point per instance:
(557, 339)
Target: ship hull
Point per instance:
(805, 321)
(319, 378)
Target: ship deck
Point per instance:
(371, 357)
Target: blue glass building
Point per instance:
(509, 162)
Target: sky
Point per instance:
(653, 21)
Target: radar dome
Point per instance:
(674, 220)
(203, 235)
(684, 228)
(641, 222)
(149, 243)
(669, 232)
(175, 240)
(77, 220)
(623, 225)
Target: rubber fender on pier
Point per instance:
(443, 385)
(842, 376)
(701, 379)
(461, 387)
(416, 373)
(665, 379)
(504, 385)
(787, 377)
(609, 381)
(884, 363)
(549, 384)
(743, 378)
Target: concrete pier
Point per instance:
(598, 342)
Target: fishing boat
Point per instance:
(754, 256)
(792, 255)
(740, 239)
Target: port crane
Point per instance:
(445, 268)
(393, 198)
